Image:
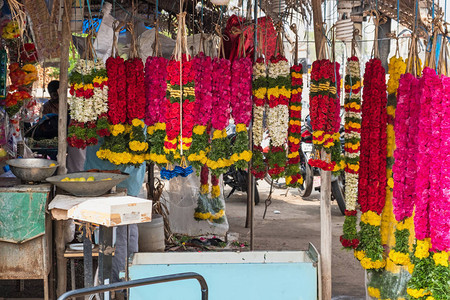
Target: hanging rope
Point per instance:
(377, 21)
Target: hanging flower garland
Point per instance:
(350, 239)
(293, 175)
(431, 270)
(155, 93)
(372, 176)
(404, 169)
(241, 104)
(278, 95)
(324, 110)
(219, 157)
(14, 101)
(115, 146)
(259, 168)
(209, 209)
(203, 109)
(88, 103)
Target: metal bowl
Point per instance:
(32, 169)
(94, 188)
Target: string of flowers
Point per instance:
(404, 169)
(155, 93)
(293, 175)
(372, 176)
(259, 168)
(278, 95)
(88, 103)
(203, 108)
(350, 239)
(219, 156)
(14, 102)
(209, 209)
(325, 117)
(136, 109)
(241, 105)
(115, 146)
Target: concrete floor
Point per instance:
(290, 224)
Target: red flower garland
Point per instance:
(372, 177)
(324, 112)
(135, 89)
(117, 100)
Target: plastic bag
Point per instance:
(181, 198)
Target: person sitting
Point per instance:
(52, 105)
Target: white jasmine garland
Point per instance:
(258, 114)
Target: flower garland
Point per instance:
(278, 95)
(14, 101)
(259, 168)
(203, 109)
(324, 112)
(293, 175)
(241, 104)
(22, 76)
(155, 93)
(372, 188)
(404, 169)
(115, 146)
(175, 89)
(88, 103)
(219, 157)
(352, 106)
(209, 209)
(11, 30)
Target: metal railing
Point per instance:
(139, 282)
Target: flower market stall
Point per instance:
(199, 114)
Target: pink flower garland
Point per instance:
(155, 89)
(440, 168)
(221, 93)
(241, 91)
(406, 131)
(117, 85)
(421, 217)
(203, 88)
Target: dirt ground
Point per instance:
(291, 223)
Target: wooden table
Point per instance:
(107, 211)
(25, 231)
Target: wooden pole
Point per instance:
(61, 262)
(325, 190)
(318, 25)
(63, 84)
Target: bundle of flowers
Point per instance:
(88, 102)
(352, 106)
(22, 77)
(324, 112)
(14, 101)
(203, 109)
(241, 105)
(372, 175)
(179, 131)
(210, 209)
(11, 30)
(28, 53)
(293, 175)
(219, 157)
(155, 93)
(259, 168)
(115, 146)
(278, 95)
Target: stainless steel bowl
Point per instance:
(94, 188)
(32, 169)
